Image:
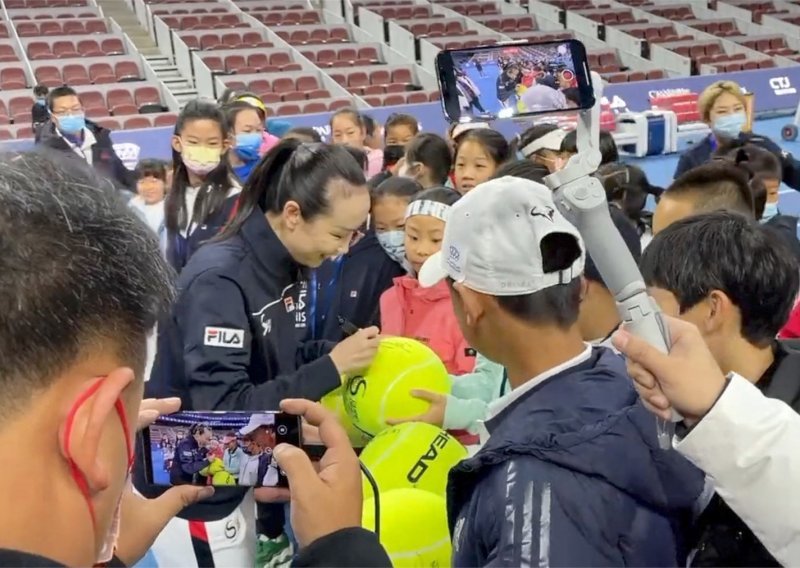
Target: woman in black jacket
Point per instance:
(235, 337)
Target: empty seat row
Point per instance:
(675, 14)
(21, 4)
(57, 28)
(208, 22)
(343, 56)
(289, 109)
(270, 97)
(376, 77)
(48, 15)
(636, 3)
(438, 29)
(415, 97)
(282, 85)
(603, 61)
(659, 34)
(472, 8)
(80, 74)
(403, 12)
(253, 63)
(507, 23)
(770, 46)
(276, 6)
(380, 89)
(612, 17)
(274, 17)
(572, 4)
(331, 34)
(230, 40)
(749, 65)
(184, 11)
(633, 76)
(758, 9)
(699, 49)
(722, 29)
(65, 49)
(464, 44)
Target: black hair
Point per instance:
(360, 156)
(715, 185)
(609, 153)
(431, 150)
(525, 169)
(401, 119)
(573, 95)
(627, 187)
(629, 235)
(392, 154)
(758, 164)
(40, 91)
(731, 253)
(304, 134)
(369, 124)
(396, 187)
(151, 167)
(59, 92)
(227, 96)
(217, 183)
(232, 111)
(352, 113)
(293, 171)
(198, 428)
(79, 273)
(493, 143)
(438, 194)
(556, 305)
(533, 133)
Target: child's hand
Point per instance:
(434, 414)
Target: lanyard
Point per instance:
(313, 295)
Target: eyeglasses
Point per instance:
(68, 112)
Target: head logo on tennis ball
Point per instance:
(421, 466)
(383, 390)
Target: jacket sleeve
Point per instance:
(218, 376)
(310, 351)
(747, 443)
(346, 548)
(685, 163)
(190, 462)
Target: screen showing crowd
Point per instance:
(220, 449)
(506, 81)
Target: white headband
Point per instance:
(550, 141)
(426, 207)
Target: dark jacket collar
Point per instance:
(268, 249)
(18, 558)
(49, 136)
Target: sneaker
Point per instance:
(274, 552)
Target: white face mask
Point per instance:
(110, 542)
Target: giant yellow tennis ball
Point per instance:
(413, 527)
(334, 402)
(383, 390)
(412, 455)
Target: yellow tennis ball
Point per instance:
(223, 478)
(383, 390)
(412, 455)
(334, 402)
(413, 528)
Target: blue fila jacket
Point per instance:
(561, 483)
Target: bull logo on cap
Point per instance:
(546, 212)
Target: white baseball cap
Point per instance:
(257, 421)
(494, 236)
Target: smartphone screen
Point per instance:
(218, 448)
(505, 81)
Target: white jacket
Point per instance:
(749, 445)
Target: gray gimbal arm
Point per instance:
(581, 198)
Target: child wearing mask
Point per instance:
(426, 314)
(480, 152)
(388, 216)
(204, 190)
(151, 179)
(427, 160)
(246, 138)
(39, 114)
(348, 128)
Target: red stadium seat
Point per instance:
(417, 97)
(49, 75)
(27, 29)
(232, 40)
(370, 53)
(12, 78)
(254, 39)
(257, 60)
(380, 77)
(96, 27)
(280, 58)
(24, 132)
(259, 86)
(215, 64)
(147, 96)
(89, 48)
(288, 109)
(293, 96)
(339, 34)
(39, 50)
(136, 122)
(93, 99)
(234, 62)
(307, 83)
(319, 94)
(339, 103)
(401, 76)
(65, 50)
(299, 37)
(75, 74)
(112, 46)
(50, 28)
(96, 112)
(357, 79)
(127, 71)
(394, 99)
(314, 107)
(110, 123)
(101, 73)
(283, 85)
(318, 35)
(19, 106)
(119, 97)
(210, 41)
(165, 119)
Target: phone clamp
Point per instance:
(581, 198)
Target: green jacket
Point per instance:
(471, 394)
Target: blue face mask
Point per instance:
(730, 125)
(71, 124)
(394, 244)
(770, 211)
(247, 146)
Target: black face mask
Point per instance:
(392, 154)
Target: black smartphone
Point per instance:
(218, 448)
(514, 79)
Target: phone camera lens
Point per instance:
(282, 430)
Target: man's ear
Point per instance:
(472, 303)
(584, 292)
(719, 309)
(87, 419)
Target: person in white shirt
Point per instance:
(747, 443)
(233, 456)
(151, 178)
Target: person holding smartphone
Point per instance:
(236, 338)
